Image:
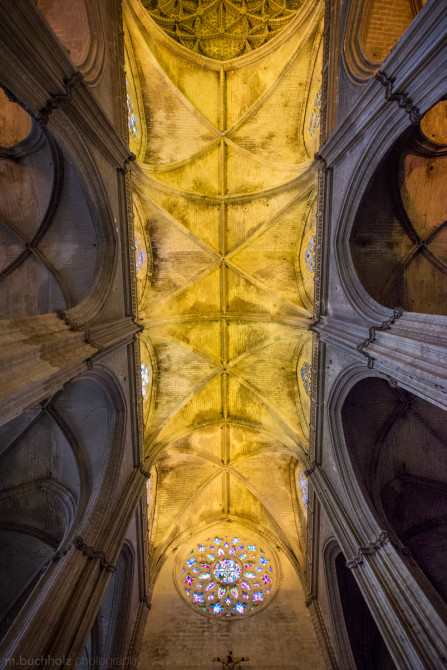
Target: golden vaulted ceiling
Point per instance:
(224, 217)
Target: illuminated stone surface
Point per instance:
(222, 29)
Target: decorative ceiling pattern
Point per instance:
(225, 213)
(222, 29)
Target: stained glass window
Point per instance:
(131, 118)
(233, 587)
(304, 489)
(309, 256)
(314, 119)
(139, 257)
(149, 491)
(306, 377)
(146, 378)
(227, 571)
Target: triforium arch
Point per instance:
(59, 239)
(366, 537)
(359, 643)
(397, 442)
(48, 243)
(380, 142)
(60, 460)
(398, 238)
(110, 632)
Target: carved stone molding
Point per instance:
(60, 553)
(310, 470)
(321, 631)
(145, 473)
(386, 325)
(93, 554)
(393, 382)
(372, 548)
(146, 601)
(310, 599)
(322, 173)
(63, 316)
(56, 100)
(109, 334)
(402, 99)
(28, 345)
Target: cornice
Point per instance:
(89, 552)
(402, 99)
(93, 554)
(368, 550)
(54, 101)
(386, 325)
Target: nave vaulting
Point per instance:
(223, 290)
(225, 189)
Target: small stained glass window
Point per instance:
(304, 489)
(309, 256)
(226, 580)
(149, 490)
(314, 119)
(131, 118)
(146, 378)
(306, 377)
(139, 257)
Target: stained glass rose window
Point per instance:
(228, 577)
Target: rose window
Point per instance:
(227, 576)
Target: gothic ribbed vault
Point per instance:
(224, 207)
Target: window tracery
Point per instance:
(228, 577)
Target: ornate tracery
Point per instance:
(228, 577)
(222, 29)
